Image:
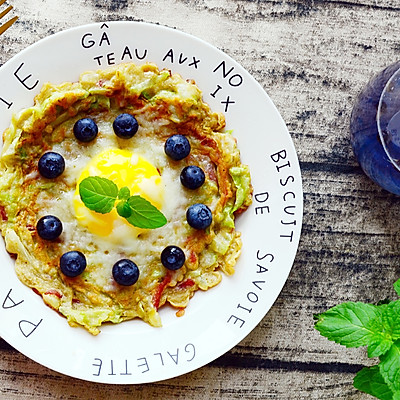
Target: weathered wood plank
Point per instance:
(312, 57)
(214, 382)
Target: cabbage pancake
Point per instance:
(162, 105)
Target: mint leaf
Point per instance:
(379, 348)
(124, 209)
(124, 193)
(396, 286)
(391, 319)
(144, 214)
(352, 324)
(390, 329)
(370, 381)
(98, 194)
(389, 368)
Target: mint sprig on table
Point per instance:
(355, 324)
(100, 195)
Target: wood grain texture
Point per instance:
(312, 58)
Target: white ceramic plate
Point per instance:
(216, 320)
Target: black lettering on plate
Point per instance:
(27, 327)
(9, 302)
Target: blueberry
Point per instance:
(51, 165)
(49, 227)
(125, 272)
(192, 177)
(72, 263)
(85, 130)
(177, 147)
(125, 126)
(173, 258)
(199, 216)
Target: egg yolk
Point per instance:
(124, 168)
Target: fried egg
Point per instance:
(125, 169)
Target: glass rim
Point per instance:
(394, 161)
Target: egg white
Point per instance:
(141, 245)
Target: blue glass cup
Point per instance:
(375, 129)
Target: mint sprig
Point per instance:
(100, 194)
(355, 324)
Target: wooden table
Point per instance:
(312, 58)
